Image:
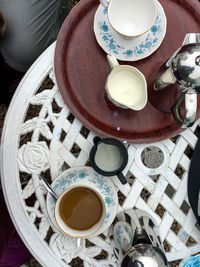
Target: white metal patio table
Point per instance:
(41, 135)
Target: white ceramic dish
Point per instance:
(129, 49)
(126, 86)
(86, 176)
(131, 18)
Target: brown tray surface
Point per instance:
(81, 69)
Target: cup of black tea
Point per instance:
(109, 157)
(80, 211)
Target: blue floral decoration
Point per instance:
(99, 181)
(112, 45)
(105, 38)
(154, 28)
(107, 189)
(63, 182)
(129, 53)
(82, 174)
(104, 27)
(148, 45)
(193, 261)
(96, 174)
(107, 215)
(126, 229)
(108, 38)
(108, 201)
(71, 175)
(68, 182)
(155, 40)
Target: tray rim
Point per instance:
(60, 79)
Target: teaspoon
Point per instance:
(54, 195)
(48, 187)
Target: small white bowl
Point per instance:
(132, 18)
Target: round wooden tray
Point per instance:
(81, 69)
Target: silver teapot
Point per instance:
(137, 241)
(178, 80)
(145, 255)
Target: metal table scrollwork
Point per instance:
(41, 135)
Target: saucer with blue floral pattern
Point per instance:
(129, 49)
(86, 176)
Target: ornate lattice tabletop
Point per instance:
(41, 135)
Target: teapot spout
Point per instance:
(191, 38)
(165, 79)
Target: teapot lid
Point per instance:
(186, 67)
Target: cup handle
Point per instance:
(96, 140)
(190, 107)
(121, 178)
(112, 61)
(104, 3)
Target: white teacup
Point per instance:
(78, 233)
(126, 86)
(131, 18)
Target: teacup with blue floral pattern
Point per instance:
(86, 177)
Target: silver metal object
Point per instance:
(48, 187)
(123, 236)
(183, 68)
(145, 255)
(144, 248)
(141, 237)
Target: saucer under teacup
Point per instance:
(132, 49)
(86, 176)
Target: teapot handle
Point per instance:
(188, 120)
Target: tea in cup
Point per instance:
(131, 18)
(80, 211)
(126, 86)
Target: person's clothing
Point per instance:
(2, 24)
(13, 252)
(31, 26)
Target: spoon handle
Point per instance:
(48, 187)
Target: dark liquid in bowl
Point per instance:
(80, 208)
